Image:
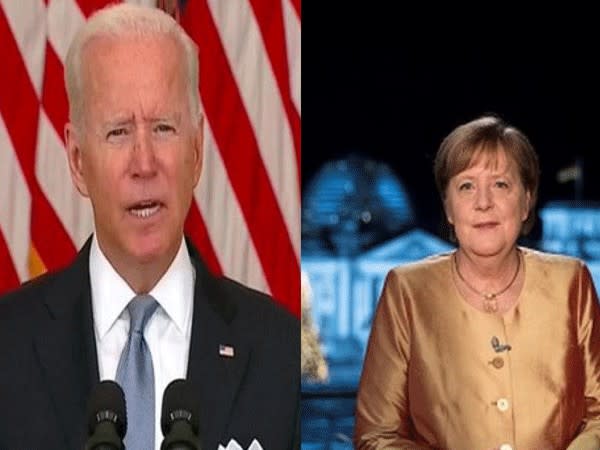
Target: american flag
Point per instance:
(245, 217)
(226, 350)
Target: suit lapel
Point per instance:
(216, 376)
(66, 348)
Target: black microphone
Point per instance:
(180, 421)
(107, 419)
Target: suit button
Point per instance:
(497, 362)
(506, 447)
(502, 404)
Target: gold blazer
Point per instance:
(435, 377)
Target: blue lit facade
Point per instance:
(351, 205)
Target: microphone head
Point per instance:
(107, 403)
(179, 403)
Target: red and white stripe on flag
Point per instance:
(246, 215)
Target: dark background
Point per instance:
(389, 82)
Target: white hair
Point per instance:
(125, 20)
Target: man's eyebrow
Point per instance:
(118, 121)
(170, 117)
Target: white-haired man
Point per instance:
(134, 145)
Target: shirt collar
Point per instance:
(174, 292)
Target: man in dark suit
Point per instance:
(134, 143)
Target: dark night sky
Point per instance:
(389, 84)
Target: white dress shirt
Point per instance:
(167, 332)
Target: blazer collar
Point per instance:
(66, 347)
(216, 376)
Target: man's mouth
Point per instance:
(145, 209)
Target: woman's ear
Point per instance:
(526, 206)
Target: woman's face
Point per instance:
(487, 204)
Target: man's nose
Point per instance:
(143, 156)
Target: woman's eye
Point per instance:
(465, 186)
(501, 184)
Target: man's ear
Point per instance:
(198, 150)
(74, 155)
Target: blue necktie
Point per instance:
(135, 374)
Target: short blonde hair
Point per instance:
(124, 20)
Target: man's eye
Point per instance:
(164, 128)
(117, 132)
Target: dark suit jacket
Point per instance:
(48, 363)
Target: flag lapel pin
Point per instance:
(226, 350)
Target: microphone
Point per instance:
(180, 421)
(107, 419)
(499, 347)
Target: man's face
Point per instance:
(138, 153)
